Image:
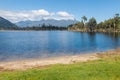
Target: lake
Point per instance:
(19, 45)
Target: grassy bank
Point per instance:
(106, 68)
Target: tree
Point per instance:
(116, 21)
(116, 15)
(92, 23)
(100, 25)
(84, 19)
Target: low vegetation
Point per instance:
(106, 68)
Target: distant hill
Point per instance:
(53, 22)
(5, 24)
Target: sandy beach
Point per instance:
(41, 63)
(36, 63)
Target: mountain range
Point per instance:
(6, 24)
(53, 22)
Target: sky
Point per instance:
(21, 10)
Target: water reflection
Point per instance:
(115, 37)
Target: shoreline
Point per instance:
(38, 63)
(100, 31)
(42, 63)
(96, 31)
(28, 30)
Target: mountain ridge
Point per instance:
(53, 22)
(6, 24)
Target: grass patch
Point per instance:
(107, 68)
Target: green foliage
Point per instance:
(116, 21)
(92, 24)
(110, 25)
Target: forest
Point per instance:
(43, 27)
(91, 25)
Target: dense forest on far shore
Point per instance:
(43, 27)
(91, 25)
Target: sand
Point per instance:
(40, 63)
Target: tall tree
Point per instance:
(84, 19)
(116, 21)
(92, 23)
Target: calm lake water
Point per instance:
(19, 45)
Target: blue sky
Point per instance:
(63, 9)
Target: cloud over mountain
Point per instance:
(34, 15)
(65, 15)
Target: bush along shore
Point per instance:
(99, 66)
(91, 25)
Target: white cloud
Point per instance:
(34, 15)
(65, 15)
(40, 12)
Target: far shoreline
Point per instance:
(82, 31)
(28, 30)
